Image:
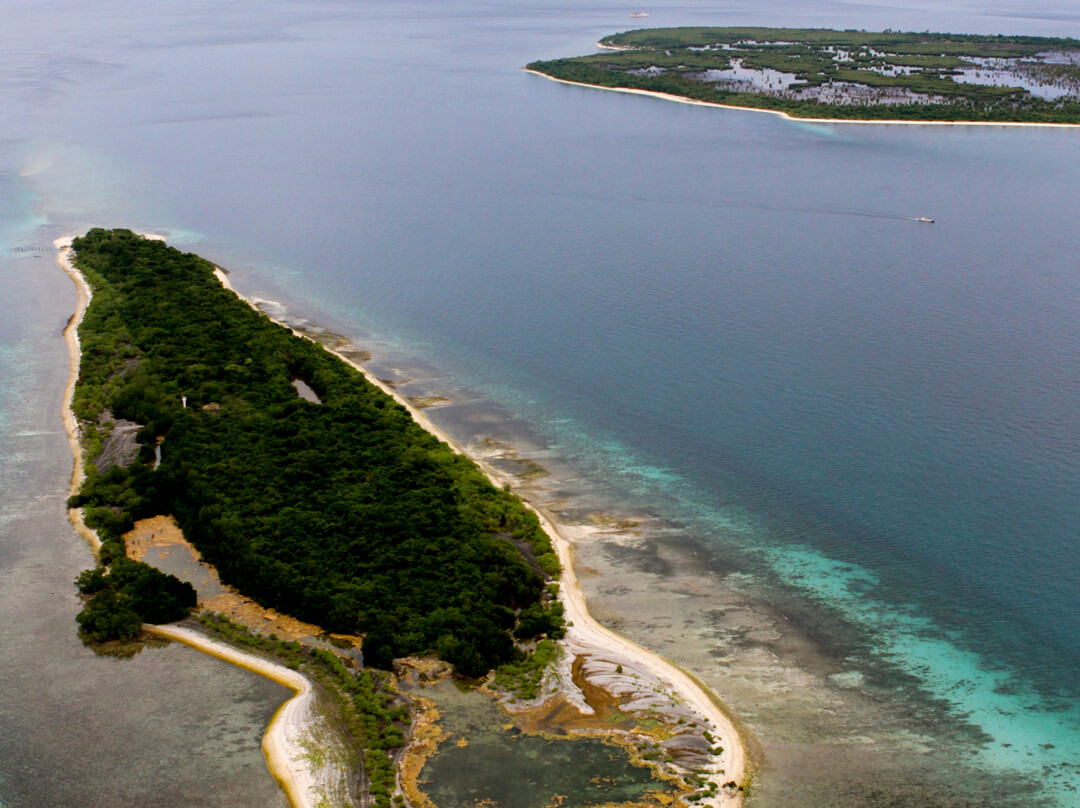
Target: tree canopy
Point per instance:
(343, 512)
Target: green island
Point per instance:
(342, 512)
(315, 493)
(843, 75)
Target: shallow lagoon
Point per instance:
(501, 766)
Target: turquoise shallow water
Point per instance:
(717, 319)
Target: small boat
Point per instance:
(640, 14)
(925, 220)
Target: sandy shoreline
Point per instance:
(283, 741)
(71, 424)
(587, 631)
(683, 100)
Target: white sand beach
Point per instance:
(307, 779)
(71, 424)
(682, 100)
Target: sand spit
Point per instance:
(307, 778)
(627, 669)
(796, 119)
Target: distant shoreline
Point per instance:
(684, 100)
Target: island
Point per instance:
(824, 74)
(361, 556)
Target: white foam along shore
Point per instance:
(283, 742)
(584, 631)
(797, 119)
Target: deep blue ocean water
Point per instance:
(725, 318)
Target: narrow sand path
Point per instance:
(287, 739)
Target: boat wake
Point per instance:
(732, 205)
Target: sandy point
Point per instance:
(287, 739)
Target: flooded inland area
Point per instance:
(485, 759)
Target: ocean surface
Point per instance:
(850, 441)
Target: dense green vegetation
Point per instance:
(123, 595)
(344, 513)
(524, 678)
(886, 41)
(837, 74)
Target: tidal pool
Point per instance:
(510, 769)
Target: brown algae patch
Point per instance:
(630, 711)
(558, 716)
(612, 524)
(506, 458)
(425, 731)
(423, 402)
(484, 759)
(608, 735)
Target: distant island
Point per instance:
(842, 75)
